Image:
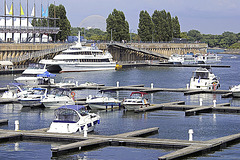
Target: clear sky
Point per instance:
(206, 16)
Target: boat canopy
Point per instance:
(142, 93)
(46, 74)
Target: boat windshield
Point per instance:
(66, 115)
(202, 75)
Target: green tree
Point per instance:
(63, 22)
(117, 26)
(145, 26)
(157, 25)
(169, 27)
(194, 35)
(176, 27)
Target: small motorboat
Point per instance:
(32, 97)
(14, 91)
(203, 78)
(66, 82)
(176, 59)
(73, 119)
(102, 101)
(58, 97)
(235, 91)
(136, 101)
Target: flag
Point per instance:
(46, 12)
(7, 12)
(11, 10)
(43, 14)
(22, 13)
(33, 11)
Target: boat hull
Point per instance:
(84, 67)
(132, 107)
(56, 104)
(236, 94)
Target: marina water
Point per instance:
(172, 124)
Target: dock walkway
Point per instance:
(77, 142)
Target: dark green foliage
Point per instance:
(117, 26)
(176, 27)
(63, 22)
(90, 34)
(145, 26)
(164, 26)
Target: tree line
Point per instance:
(161, 26)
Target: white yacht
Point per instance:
(235, 91)
(102, 101)
(136, 101)
(176, 59)
(203, 78)
(72, 119)
(80, 58)
(57, 98)
(30, 75)
(33, 97)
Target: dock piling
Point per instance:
(85, 129)
(200, 101)
(187, 86)
(151, 85)
(117, 83)
(16, 125)
(214, 102)
(190, 132)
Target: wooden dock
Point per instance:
(79, 143)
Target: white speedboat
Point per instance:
(66, 82)
(235, 91)
(176, 59)
(80, 58)
(207, 58)
(72, 119)
(102, 101)
(189, 58)
(33, 97)
(14, 91)
(136, 101)
(203, 78)
(58, 97)
(30, 75)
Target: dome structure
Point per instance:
(94, 21)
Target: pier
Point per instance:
(77, 142)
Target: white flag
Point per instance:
(7, 12)
(33, 11)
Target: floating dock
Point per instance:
(77, 142)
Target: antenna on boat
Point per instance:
(79, 37)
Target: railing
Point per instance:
(30, 55)
(29, 29)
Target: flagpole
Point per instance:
(5, 4)
(27, 20)
(20, 22)
(12, 20)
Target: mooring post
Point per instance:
(151, 85)
(187, 86)
(214, 102)
(200, 100)
(85, 128)
(190, 133)
(76, 83)
(117, 83)
(16, 125)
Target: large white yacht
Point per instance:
(203, 78)
(82, 58)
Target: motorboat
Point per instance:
(73, 119)
(88, 84)
(30, 75)
(102, 101)
(176, 59)
(189, 58)
(235, 91)
(80, 58)
(207, 58)
(203, 78)
(136, 101)
(33, 97)
(58, 97)
(66, 82)
(14, 91)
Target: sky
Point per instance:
(206, 16)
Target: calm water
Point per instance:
(172, 124)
